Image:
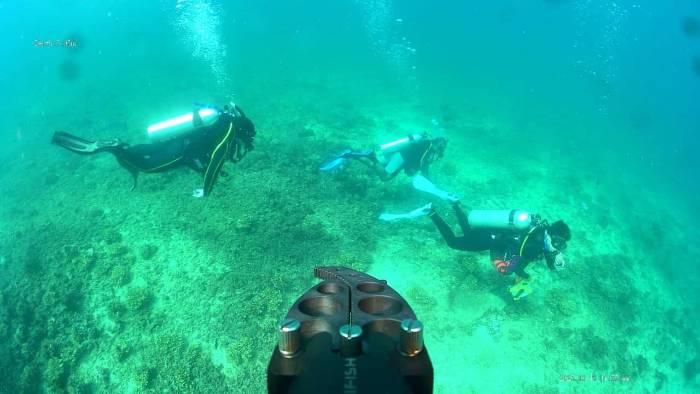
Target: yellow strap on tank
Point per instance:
(527, 237)
(218, 165)
(156, 168)
(430, 145)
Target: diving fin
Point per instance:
(82, 146)
(520, 290)
(335, 164)
(85, 147)
(414, 214)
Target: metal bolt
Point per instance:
(411, 342)
(289, 337)
(350, 340)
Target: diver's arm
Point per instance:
(505, 260)
(498, 256)
(216, 161)
(550, 257)
(520, 271)
(212, 172)
(377, 168)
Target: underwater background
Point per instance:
(583, 110)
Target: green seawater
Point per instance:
(582, 110)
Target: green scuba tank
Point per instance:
(395, 146)
(502, 219)
(183, 124)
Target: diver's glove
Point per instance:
(559, 261)
(521, 288)
(198, 193)
(505, 267)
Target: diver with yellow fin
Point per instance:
(514, 238)
(202, 140)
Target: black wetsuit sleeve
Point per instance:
(549, 258)
(520, 271)
(446, 232)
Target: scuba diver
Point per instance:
(201, 140)
(412, 154)
(515, 239)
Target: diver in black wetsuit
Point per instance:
(203, 148)
(511, 250)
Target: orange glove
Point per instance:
(500, 266)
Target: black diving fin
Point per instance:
(82, 146)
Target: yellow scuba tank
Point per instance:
(183, 124)
(502, 219)
(395, 146)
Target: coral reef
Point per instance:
(174, 365)
(104, 289)
(138, 299)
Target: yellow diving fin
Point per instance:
(520, 289)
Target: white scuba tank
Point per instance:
(395, 146)
(182, 125)
(502, 219)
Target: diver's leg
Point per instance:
(155, 157)
(461, 218)
(361, 154)
(367, 158)
(445, 231)
(477, 240)
(474, 240)
(385, 169)
(394, 163)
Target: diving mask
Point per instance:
(553, 243)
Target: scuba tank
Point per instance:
(395, 146)
(183, 124)
(503, 219)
